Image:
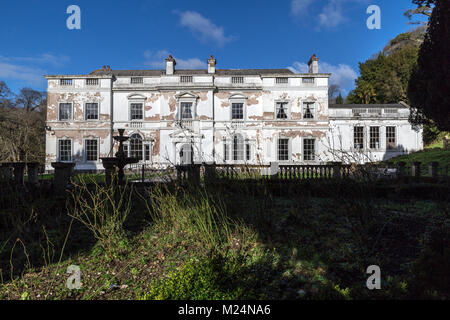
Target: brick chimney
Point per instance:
(211, 65)
(313, 64)
(170, 65)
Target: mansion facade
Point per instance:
(226, 116)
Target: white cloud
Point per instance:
(203, 28)
(29, 70)
(300, 7)
(330, 14)
(157, 60)
(341, 74)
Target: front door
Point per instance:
(186, 154)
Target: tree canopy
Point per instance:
(429, 88)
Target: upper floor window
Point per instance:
(91, 149)
(92, 82)
(186, 79)
(136, 111)
(186, 110)
(308, 110)
(283, 80)
(358, 137)
(282, 110)
(237, 111)
(307, 80)
(374, 137)
(309, 149)
(237, 80)
(137, 80)
(391, 142)
(65, 82)
(283, 149)
(65, 111)
(91, 111)
(65, 150)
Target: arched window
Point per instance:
(136, 147)
(238, 147)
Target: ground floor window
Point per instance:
(136, 146)
(65, 150)
(309, 149)
(238, 148)
(91, 149)
(283, 149)
(391, 142)
(358, 137)
(374, 137)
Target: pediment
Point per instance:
(185, 133)
(186, 95)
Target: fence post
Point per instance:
(415, 169)
(433, 169)
(63, 172)
(19, 169)
(7, 171)
(274, 170)
(401, 166)
(337, 170)
(33, 177)
(143, 173)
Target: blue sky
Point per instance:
(139, 34)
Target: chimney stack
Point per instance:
(170, 65)
(211, 65)
(313, 64)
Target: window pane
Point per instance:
(226, 151)
(91, 111)
(391, 142)
(137, 111)
(247, 152)
(65, 111)
(358, 137)
(65, 150)
(309, 151)
(238, 148)
(136, 147)
(374, 137)
(282, 110)
(283, 149)
(237, 111)
(147, 152)
(186, 110)
(91, 147)
(308, 110)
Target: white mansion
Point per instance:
(253, 116)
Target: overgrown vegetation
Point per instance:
(237, 239)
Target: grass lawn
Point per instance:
(234, 240)
(425, 157)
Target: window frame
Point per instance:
(85, 151)
(304, 150)
(58, 149)
(85, 111)
(395, 146)
(242, 111)
(314, 113)
(71, 111)
(135, 102)
(363, 138)
(238, 98)
(288, 110)
(289, 157)
(371, 138)
(130, 151)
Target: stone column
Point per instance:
(401, 169)
(33, 177)
(415, 169)
(19, 169)
(337, 170)
(433, 169)
(63, 172)
(274, 170)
